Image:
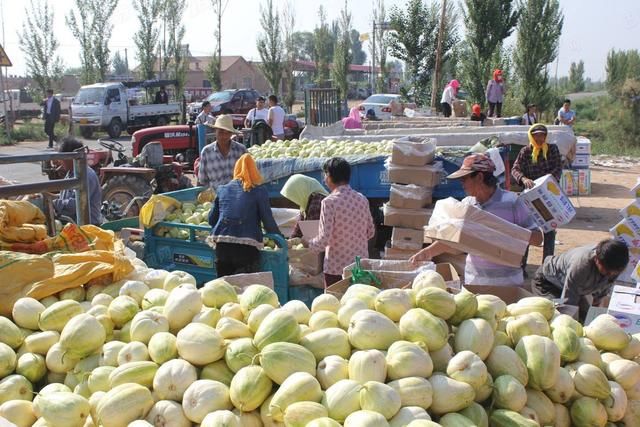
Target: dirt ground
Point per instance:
(596, 213)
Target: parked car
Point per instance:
(384, 105)
(231, 101)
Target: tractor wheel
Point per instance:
(86, 132)
(115, 128)
(121, 189)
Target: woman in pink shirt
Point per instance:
(346, 224)
(353, 121)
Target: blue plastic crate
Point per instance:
(306, 294)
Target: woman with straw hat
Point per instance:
(239, 212)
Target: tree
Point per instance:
(488, 23)
(382, 45)
(620, 66)
(359, 55)
(177, 53)
(304, 48)
(40, 46)
(289, 21)
(214, 72)
(413, 40)
(119, 64)
(146, 38)
(576, 77)
(342, 53)
(322, 48)
(90, 24)
(539, 29)
(270, 46)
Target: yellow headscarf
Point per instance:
(298, 188)
(246, 171)
(544, 147)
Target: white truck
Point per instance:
(115, 107)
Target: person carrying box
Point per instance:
(481, 186)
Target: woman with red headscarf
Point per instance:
(448, 96)
(476, 114)
(495, 94)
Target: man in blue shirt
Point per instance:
(65, 204)
(566, 116)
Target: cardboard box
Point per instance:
(635, 191)
(460, 108)
(581, 161)
(410, 196)
(449, 274)
(413, 151)
(407, 218)
(632, 210)
(472, 230)
(306, 260)
(458, 262)
(631, 274)
(576, 182)
(508, 294)
(549, 206)
(298, 277)
(593, 313)
(407, 238)
(625, 307)
(628, 231)
(242, 281)
(392, 273)
(425, 176)
(583, 145)
(398, 254)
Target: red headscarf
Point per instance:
(475, 109)
(455, 85)
(497, 75)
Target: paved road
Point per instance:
(31, 172)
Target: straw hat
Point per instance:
(224, 122)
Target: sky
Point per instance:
(591, 28)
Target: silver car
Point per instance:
(381, 104)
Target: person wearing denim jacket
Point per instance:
(239, 211)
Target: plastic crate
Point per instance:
(197, 258)
(117, 225)
(306, 294)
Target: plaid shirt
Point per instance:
(524, 167)
(216, 169)
(311, 214)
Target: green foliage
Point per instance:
(146, 37)
(213, 72)
(576, 77)
(382, 46)
(359, 55)
(176, 53)
(270, 46)
(119, 64)
(40, 46)
(289, 21)
(322, 48)
(621, 66)
(304, 45)
(539, 30)
(31, 131)
(342, 53)
(90, 23)
(488, 23)
(414, 41)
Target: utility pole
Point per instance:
(438, 71)
(219, 63)
(373, 60)
(126, 61)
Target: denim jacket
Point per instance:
(237, 215)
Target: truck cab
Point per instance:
(100, 106)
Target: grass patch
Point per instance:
(29, 131)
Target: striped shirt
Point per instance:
(216, 169)
(479, 271)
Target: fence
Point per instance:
(322, 106)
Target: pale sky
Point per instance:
(591, 28)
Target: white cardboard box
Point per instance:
(581, 161)
(583, 145)
(625, 307)
(627, 230)
(549, 206)
(635, 191)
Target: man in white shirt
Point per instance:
(276, 117)
(205, 117)
(258, 113)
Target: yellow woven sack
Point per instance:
(156, 209)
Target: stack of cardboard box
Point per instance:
(413, 175)
(576, 181)
(628, 230)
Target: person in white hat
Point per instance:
(218, 159)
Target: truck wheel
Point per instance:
(121, 189)
(115, 128)
(161, 121)
(86, 132)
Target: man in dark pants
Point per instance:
(51, 116)
(162, 97)
(586, 272)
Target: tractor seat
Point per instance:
(152, 154)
